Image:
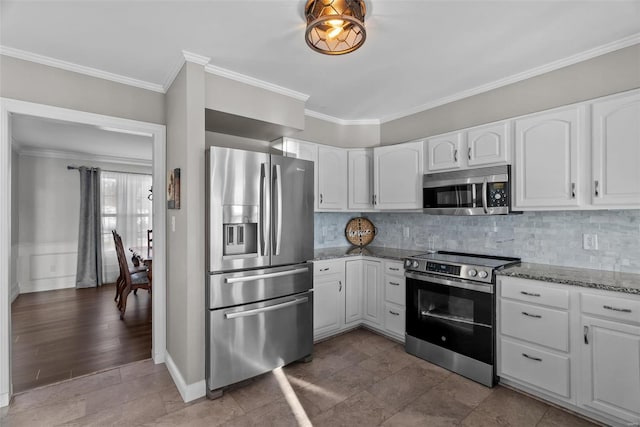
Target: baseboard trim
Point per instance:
(188, 392)
(4, 400)
(15, 291)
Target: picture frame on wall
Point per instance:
(173, 189)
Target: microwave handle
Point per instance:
(484, 196)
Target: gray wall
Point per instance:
(349, 136)
(32, 82)
(185, 254)
(231, 141)
(540, 237)
(614, 72)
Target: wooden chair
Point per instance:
(130, 282)
(137, 268)
(150, 239)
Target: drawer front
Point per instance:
(536, 324)
(394, 316)
(394, 289)
(534, 366)
(394, 268)
(627, 310)
(534, 291)
(328, 267)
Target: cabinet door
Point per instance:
(328, 301)
(372, 282)
(332, 176)
(546, 158)
(610, 380)
(360, 188)
(397, 176)
(488, 145)
(305, 151)
(616, 151)
(353, 292)
(444, 152)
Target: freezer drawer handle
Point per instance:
(255, 311)
(265, 276)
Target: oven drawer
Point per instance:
(395, 289)
(536, 324)
(394, 317)
(537, 367)
(534, 291)
(252, 339)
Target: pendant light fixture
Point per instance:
(335, 27)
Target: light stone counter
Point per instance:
(597, 279)
(372, 251)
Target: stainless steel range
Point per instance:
(451, 311)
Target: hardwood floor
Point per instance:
(67, 333)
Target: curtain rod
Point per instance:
(69, 167)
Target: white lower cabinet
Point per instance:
(582, 352)
(358, 291)
(328, 297)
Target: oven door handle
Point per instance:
(255, 311)
(453, 319)
(485, 288)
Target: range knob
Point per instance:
(472, 273)
(414, 264)
(482, 274)
(407, 263)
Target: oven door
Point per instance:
(453, 315)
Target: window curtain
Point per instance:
(89, 269)
(127, 209)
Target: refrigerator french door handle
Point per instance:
(263, 220)
(255, 311)
(266, 275)
(277, 181)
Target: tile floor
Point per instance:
(359, 378)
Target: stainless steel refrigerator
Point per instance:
(259, 308)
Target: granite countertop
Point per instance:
(588, 278)
(372, 251)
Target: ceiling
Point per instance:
(417, 53)
(36, 134)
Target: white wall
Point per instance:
(48, 204)
(15, 224)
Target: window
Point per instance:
(127, 209)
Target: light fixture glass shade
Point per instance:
(335, 27)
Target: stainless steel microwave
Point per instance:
(482, 191)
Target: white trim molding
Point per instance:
(188, 392)
(81, 69)
(24, 150)
(339, 121)
(158, 134)
(223, 72)
(552, 66)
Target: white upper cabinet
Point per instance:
(616, 151)
(397, 176)
(360, 188)
(443, 151)
(546, 158)
(488, 144)
(332, 176)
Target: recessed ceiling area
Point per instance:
(47, 135)
(416, 52)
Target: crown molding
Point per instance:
(23, 150)
(194, 57)
(81, 69)
(339, 121)
(552, 66)
(223, 72)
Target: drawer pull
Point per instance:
(394, 313)
(622, 310)
(324, 269)
(529, 294)
(535, 316)
(537, 359)
(394, 283)
(394, 269)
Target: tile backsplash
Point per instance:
(540, 237)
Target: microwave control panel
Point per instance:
(498, 193)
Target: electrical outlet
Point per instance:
(173, 223)
(405, 232)
(324, 231)
(590, 242)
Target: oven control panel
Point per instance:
(468, 272)
(453, 270)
